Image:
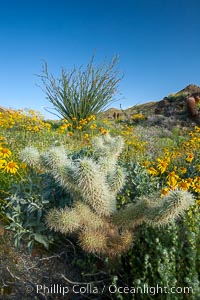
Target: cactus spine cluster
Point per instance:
(94, 183)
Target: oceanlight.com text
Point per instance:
(151, 290)
(58, 289)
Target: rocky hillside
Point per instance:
(172, 107)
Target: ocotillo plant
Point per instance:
(93, 183)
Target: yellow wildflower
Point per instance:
(182, 170)
(2, 163)
(103, 130)
(92, 117)
(190, 181)
(5, 152)
(165, 191)
(64, 126)
(11, 167)
(86, 136)
(146, 163)
(172, 179)
(36, 128)
(152, 171)
(175, 154)
(162, 166)
(197, 129)
(184, 185)
(166, 151)
(196, 187)
(196, 184)
(93, 126)
(82, 122)
(190, 157)
(70, 133)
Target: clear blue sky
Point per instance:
(158, 42)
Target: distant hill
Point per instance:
(190, 89)
(171, 106)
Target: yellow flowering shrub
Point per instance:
(179, 168)
(80, 125)
(6, 163)
(135, 117)
(21, 119)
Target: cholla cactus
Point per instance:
(94, 184)
(30, 156)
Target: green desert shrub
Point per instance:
(26, 208)
(177, 97)
(167, 257)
